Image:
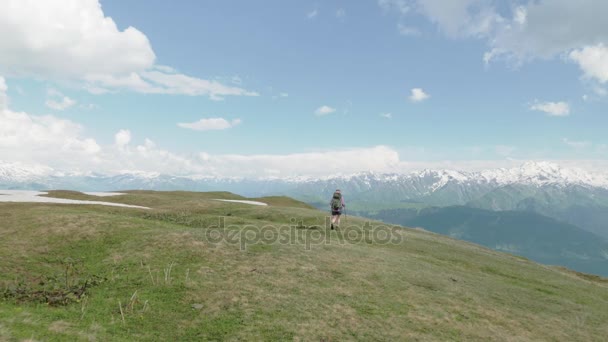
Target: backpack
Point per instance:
(336, 201)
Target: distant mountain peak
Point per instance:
(18, 172)
(534, 173)
(545, 173)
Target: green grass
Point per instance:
(172, 283)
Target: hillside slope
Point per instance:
(169, 273)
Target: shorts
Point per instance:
(336, 212)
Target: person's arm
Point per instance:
(343, 204)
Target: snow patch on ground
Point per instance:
(245, 202)
(34, 197)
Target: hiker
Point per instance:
(336, 204)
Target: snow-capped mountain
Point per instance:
(15, 173)
(531, 173)
(437, 187)
(450, 187)
(544, 173)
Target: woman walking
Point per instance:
(337, 205)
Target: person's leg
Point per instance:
(338, 219)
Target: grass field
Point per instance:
(192, 268)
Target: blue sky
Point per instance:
(260, 75)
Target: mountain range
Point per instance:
(525, 233)
(568, 194)
(462, 185)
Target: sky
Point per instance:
(283, 87)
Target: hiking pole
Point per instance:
(345, 218)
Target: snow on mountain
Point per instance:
(530, 173)
(421, 182)
(443, 177)
(427, 182)
(544, 173)
(140, 174)
(20, 173)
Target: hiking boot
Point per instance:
(332, 226)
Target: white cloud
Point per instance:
(401, 6)
(64, 104)
(576, 144)
(73, 40)
(597, 92)
(324, 110)
(148, 146)
(62, 145)
(528, 30)
(3, 96)
(165, 68)
(533, 29)
(181, 84)
(155, 82)
(552, 108)
(312, 14)
(407, 30)
(58, 101)
(418, 95)
(459, 17)
(90, 106)
(593, 60)
(538, 28)
(520, 15)
(488, 56)
(68, 38)
(43, 139)
(387, 115)
(321, 163)
(122, 138)
(58, 144)
(236, 80)
(280, 95)
(341, 13)
(210, 124)
(52, 92)
(600, 91)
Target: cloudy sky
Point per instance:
(281, 88)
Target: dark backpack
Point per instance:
(336, 201)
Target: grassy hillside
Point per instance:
(103, 273)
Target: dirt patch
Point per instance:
(61, 327)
